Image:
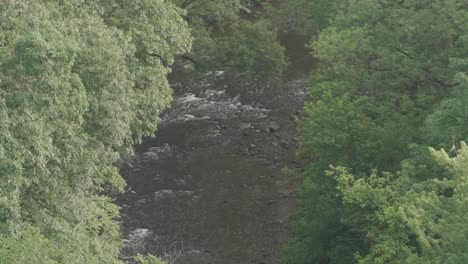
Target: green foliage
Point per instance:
(447, 125)
(78, 86)
(306, 17)
(148, 259)
(228, 36)
(252, 47)
(391, 82)
(406, 220)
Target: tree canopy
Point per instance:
(80, 82)
(391, 83)
(233, 35)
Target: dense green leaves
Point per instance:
(447, 125)
(148, 259)
(229, 35)
(407, 220)
(306, 17)
(78, 86)
(391, 83)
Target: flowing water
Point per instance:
(211, 188)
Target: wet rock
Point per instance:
(163, 195)
(273, 127)
(188, 177)
(156, 153)
(128, 164)
(168, 195)
(157, 180)
(245, 126)
(285, 194)
(181, 183)
(137, 239)
(141, 202)
(218, 73)
(184, 194)
(164, 148)
(150, 156)
(117, 217)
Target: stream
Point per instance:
(211, 187)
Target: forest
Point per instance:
(381, 137)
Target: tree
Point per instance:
(405, 219)
(148, 259)
(227, 35)
(306, 17)
(384, 67)
(79, 84)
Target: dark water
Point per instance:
(211, 188)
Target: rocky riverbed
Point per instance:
(211, 188)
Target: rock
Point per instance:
(181, 183)
(141, 202)
(157, 180)
(184, 194)
(245, 126)
(218, 73)
(171, 195)
(262, 127)
(150, 156)
(163, 194)
(137, 239)
(285, 194)
(156, 153)
(117, 217)
(273, 127)
(285, 144)
(139, 234)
